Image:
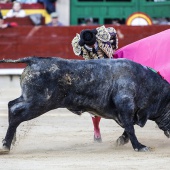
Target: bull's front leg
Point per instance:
(129, 128)
(123, 139)
(127, 122)
(125, 105)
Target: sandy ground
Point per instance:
(60, 140)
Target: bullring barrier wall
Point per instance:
(24, 41)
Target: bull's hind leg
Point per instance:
(19, 112)
(10, 104)
(125, 105)
(14, 107)
(9, 137)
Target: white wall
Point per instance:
(63, 8)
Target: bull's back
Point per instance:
(96, 80)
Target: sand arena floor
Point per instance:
(60, 140)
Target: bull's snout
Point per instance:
(167, 133)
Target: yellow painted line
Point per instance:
(32, 11)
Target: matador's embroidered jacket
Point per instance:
(104, 47)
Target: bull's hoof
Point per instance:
(144, 149)
(121, 141)
(4, 150)
(97, 139)
(167, 133)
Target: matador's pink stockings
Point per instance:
(97, 135)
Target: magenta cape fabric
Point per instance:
(153, 51)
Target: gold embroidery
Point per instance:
(88, 55)
(75, 45)
(106, 49)
(100, 54)
(102, 34)
(111, 30)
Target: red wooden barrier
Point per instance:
(56, 41)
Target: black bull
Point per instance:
(117, 89)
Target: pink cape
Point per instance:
(153, 51)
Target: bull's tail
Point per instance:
(27, 60)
